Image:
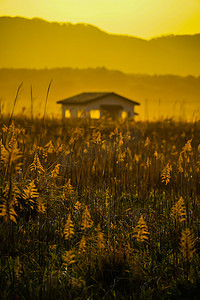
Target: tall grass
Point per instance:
(99, 209)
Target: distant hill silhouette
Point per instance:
(38, 44)
(160, 96)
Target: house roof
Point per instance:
(85, 98)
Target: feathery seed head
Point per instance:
(86, 219)
(187, 245)
(141, 230)
(69, 228)
(178, 211)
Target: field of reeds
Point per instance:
(99, 210)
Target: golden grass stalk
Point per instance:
(187, 245)
(68, 258)
(7, 211)
(82, 245)
(41, 207)
(69, 228)
(141, 231)
(86, 219)
(178, 211)
(36, 165)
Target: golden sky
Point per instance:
(142, 18)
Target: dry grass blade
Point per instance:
(44, 115)
(16, 97)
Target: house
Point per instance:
(97, 105)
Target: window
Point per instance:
(95, 114)
(67, 113)
(124, 114)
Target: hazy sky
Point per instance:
(144, 18)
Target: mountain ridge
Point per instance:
(62, 23)
(37, 43)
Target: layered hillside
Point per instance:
(35, 43)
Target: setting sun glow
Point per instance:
(144, 18)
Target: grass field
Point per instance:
(99, 209)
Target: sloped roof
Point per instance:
(85, 98)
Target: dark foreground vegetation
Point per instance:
(99, 210)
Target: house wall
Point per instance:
(96, 105)
(73, 109)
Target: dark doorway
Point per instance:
(111, 111)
